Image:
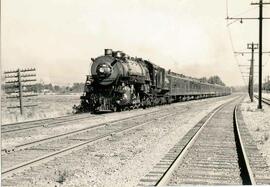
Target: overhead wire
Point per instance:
(230, 34)
(266, 62)
(242, 13)
(232, 44)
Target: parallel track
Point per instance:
(264, 100)
(47, 150)
(211, 153)
(63, 135)
(48, 122)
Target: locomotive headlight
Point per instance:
(104, 70)
(101, 70)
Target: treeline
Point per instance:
(266, 86)
(75, 88)
(50, 88)
(213, 80)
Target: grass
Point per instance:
(48, 106)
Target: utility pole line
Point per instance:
(261, 3)
(260, 49)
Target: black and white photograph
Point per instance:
(127, 93)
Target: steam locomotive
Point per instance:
(120, 82)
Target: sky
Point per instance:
(191, 37)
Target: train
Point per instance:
(119, 82)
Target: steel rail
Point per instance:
(167, 175)
(248, 175)
(44, 124)
(33, 121)
(264, 100)
(243, 155)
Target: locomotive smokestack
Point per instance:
(108, 52)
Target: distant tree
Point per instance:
(203, 79)
(38, 87)
(215, 80)
(49, 87)
(266, 86)
(57, 88)
(77, 87)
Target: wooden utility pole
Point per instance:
(20, 91)
(251, 46)
(260, 53)
(14, 85)
(251, 79)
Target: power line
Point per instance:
(260, 18)
(235, 57)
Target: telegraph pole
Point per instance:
(251, 46)
(20, 90)
(260, 54)
(14, 85)
(251, 79)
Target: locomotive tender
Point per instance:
(119, 82)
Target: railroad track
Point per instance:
(213, 152)
(48, 122)
(264, 100)
(70, 133)
(40, 152)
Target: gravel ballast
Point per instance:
(258, 123)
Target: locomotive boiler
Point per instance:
(120, 82)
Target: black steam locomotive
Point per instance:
(120, 82)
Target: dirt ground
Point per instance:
(258, 123)
(121, 160)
